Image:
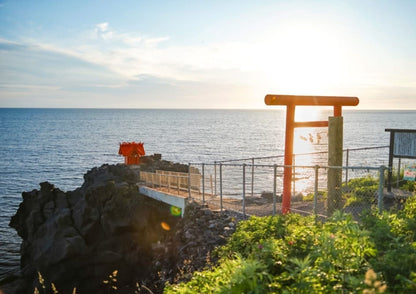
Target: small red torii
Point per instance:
(132, 152)
(291, 101)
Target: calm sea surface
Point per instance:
(60, 145)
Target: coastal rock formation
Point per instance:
(76, 239)
(190, 246)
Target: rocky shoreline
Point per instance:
(77, 239)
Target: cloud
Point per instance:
(106, 64)
(33, 65)
(103, 32)
(46, 75)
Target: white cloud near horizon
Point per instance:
(104, 61)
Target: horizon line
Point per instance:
(345, 108)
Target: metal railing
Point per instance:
(172, 181)
(252, 188)
(234, 195)
(364, 156)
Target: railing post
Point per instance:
(203, 184)
(221, 186)
(398, 173)
(347, 156)
(244, 190)
(252, 177)
(315, 195)
(294, 175)
(215, 178)
(178, 182)
(274, 188)
(189, 181)
(381, 188)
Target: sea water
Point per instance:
(60, 145)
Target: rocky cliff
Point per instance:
(78, 238)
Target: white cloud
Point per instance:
(299, 62)
(102, 31)
(102, 26)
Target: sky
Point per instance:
(205, 54)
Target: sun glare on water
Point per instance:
(307, 143)
(309, 140)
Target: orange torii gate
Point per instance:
(291, 101)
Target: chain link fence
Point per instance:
(257, 189)
(253, 186)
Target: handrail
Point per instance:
(172, 180)
(299, 154)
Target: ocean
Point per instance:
(60, 145)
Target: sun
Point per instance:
(304, 59)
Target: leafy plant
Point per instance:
(295, 254)
(360, 191)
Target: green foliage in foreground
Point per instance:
(360, 191)
(295, 254)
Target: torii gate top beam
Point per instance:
(298, 100)
(310, 100)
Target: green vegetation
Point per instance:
(363, 190)
(295, 254)
(403, 184)
(360, 191)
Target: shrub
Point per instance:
(295, 254)
(235, 275)
(360, 191)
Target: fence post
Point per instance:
(221, 186)
(203, 184)
(398, 173)
(315, 196)
(381, 188)
(244, 190)
(274, 188)
(347, 156)
(189, 181)
(252, 177)
(215, 178)
(294, 175)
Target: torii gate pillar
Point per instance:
(291, 101)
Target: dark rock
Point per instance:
(78, 238)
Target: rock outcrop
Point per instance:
(78, 238)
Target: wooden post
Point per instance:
(335, 139)
(391, 154)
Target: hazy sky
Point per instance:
(205, 54)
